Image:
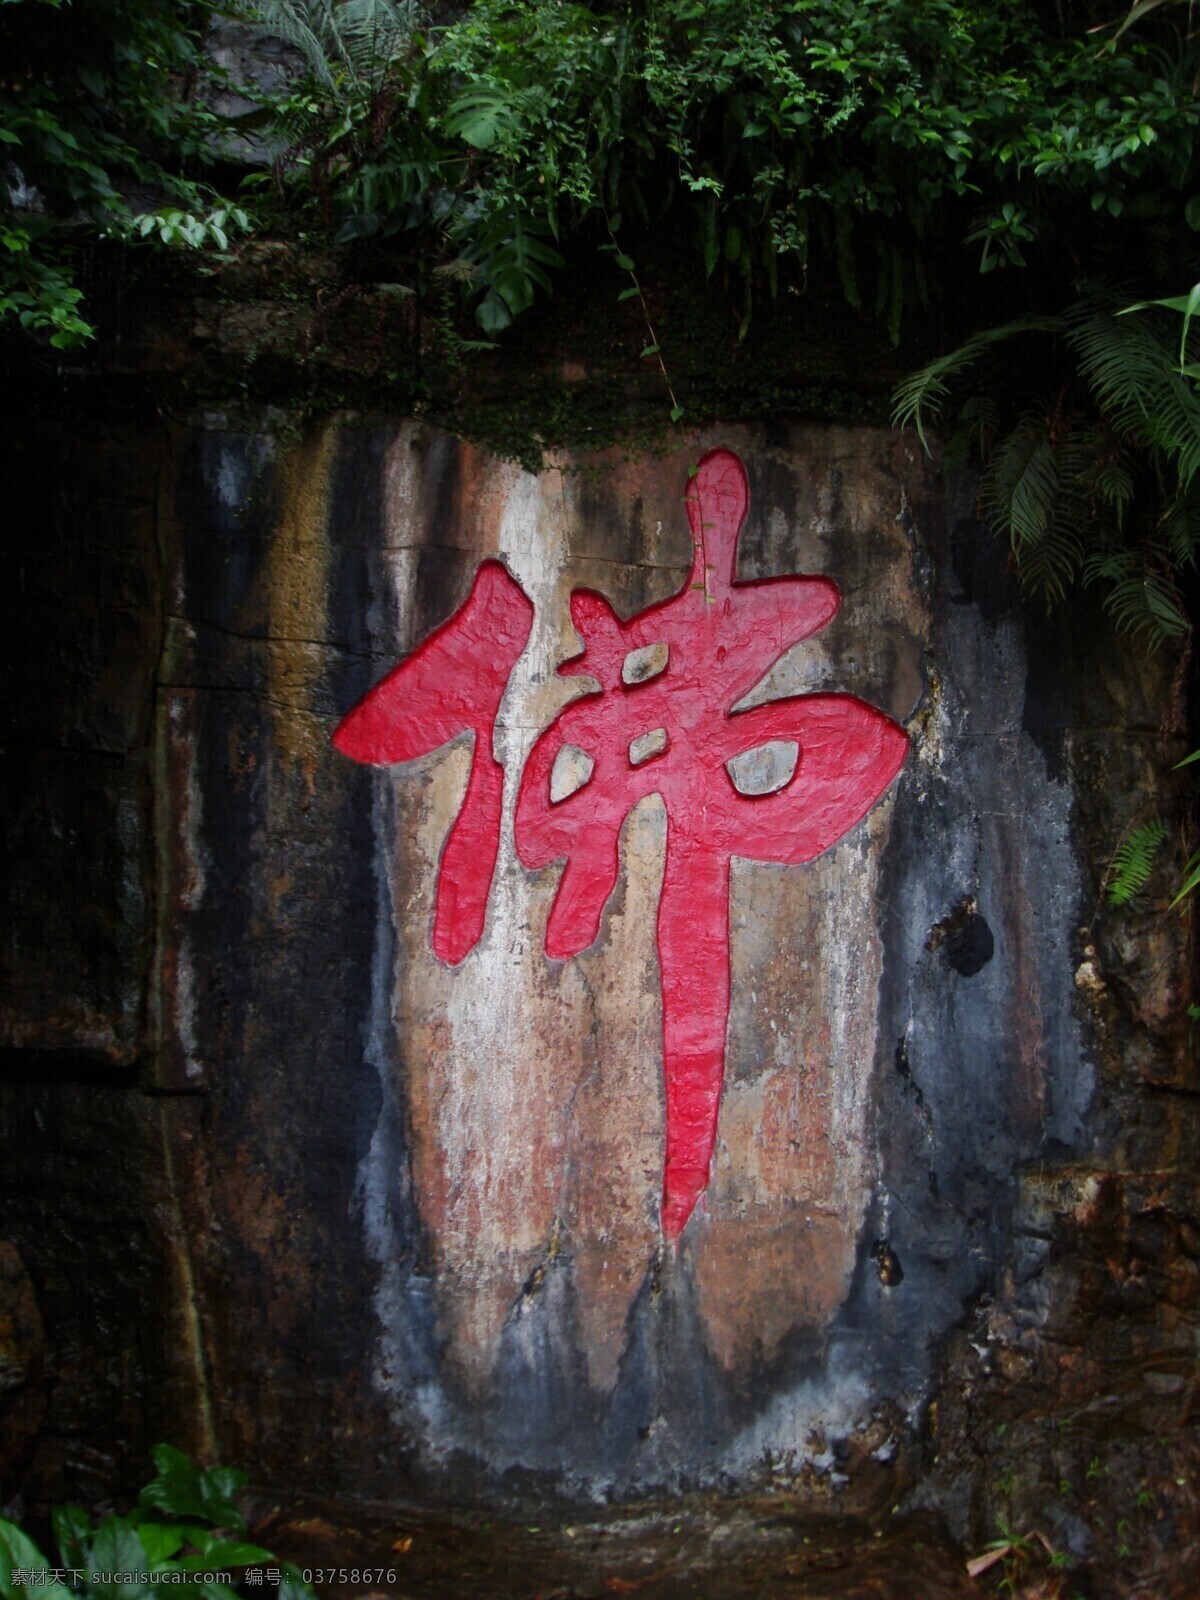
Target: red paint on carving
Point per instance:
(450, 684)
(722, 637)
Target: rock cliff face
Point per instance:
(281, 1183)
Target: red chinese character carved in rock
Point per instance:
(453, 683)
(673, 734)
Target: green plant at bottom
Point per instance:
(1018, 1559)
(184, 1530)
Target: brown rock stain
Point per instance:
(257, 1214)
(769, 1276)
(296, 579)
(181, 882)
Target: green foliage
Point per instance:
(765, 138)
(348, 47)
(920, 398)
(93, 111)
(185, 1522)
(39, 293)
(868, 140)
(173, 226)
(1187, 306)
(512, 256)
(1191, 872)
(1132, 372)
(1133, 861)
(1016, 1557)
(1099, 482)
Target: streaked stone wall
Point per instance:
(486, 1141)
(281, 1187)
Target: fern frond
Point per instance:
(1050, 567)
(919, 399)
(1112, 484)
(1108, 563)
(1133, 861)
(298, 25)
(354, 41)
(1144, 604)
(1028, 468)
(979, 419)
(1180, 528)
(374, 32)
(1037, 493)
(1133, 374)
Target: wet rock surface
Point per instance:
(717, 1549)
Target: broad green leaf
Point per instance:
(492, 314)
(177, 1489)
(1185, 303)
(712, 238)
(293, 1586)
(160, 1540)
(18, 1553)
(479, 128)
(116, 1555)
(1136, 12)
(194, 1533)
(72, 1532)
(223, 1553)
(93, 81)
(480, 117)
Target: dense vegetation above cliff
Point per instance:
(684, 210)
(900, 145)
